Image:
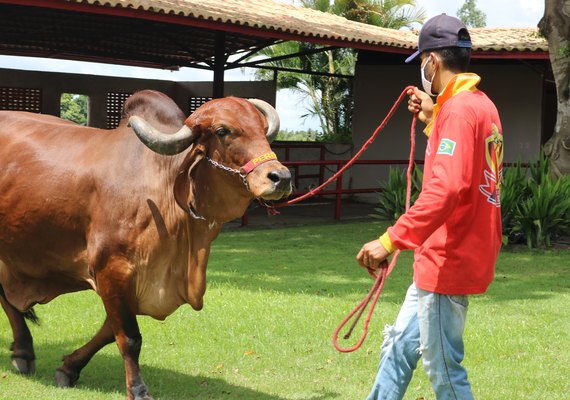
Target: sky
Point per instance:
(500, 13)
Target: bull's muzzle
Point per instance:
(281, 179)
(271, 182)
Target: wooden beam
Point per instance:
(279, 58)
(303, 71)
(220, 59)
(513, 54)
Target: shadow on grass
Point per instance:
(105, 374)
(320, 260)
(317, 260)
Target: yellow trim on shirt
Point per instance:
(387, 243)
(458, 83)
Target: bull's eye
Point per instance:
(222, 131)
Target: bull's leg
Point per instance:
(73, 363)
(23, 356)
(129, 341)
(116, 291)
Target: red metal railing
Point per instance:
(296, 167)
(338, 190)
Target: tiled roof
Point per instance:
(281, 18)
(186, 33)
(508, 39)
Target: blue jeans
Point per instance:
(429, 325)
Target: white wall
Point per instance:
(517, 92)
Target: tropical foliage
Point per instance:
(535, 207)
(331, 96)
(309, 135)
(392, 197)
(513, 189)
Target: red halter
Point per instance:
(257, 161)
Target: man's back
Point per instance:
(462, 169)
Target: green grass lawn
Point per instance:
(274, 298)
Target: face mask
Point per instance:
(425, 83)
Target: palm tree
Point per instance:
(330, 95)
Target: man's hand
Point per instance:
(371, 255)
(420, 103)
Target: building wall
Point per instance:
(97, 87)
(516, 90)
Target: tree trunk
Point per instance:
(555, 26)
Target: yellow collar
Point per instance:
(457, 84)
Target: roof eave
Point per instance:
(510, 54)
(208, 24)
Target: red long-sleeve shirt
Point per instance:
(455, 224)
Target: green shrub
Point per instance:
(513, 189)
(392, 198)
(544, 213)
(539, 170)
(534, 207)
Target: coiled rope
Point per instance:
(385, 269)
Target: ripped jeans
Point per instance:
(429, 325)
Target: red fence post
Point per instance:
(322, 166)
(338, 202)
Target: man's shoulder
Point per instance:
(470, 100)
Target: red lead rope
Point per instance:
(385, 269)
(357, 155)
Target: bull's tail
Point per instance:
(30, 314)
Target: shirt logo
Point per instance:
(447, 146)
(493, 175)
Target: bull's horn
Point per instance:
(271, 116)
(160, 142)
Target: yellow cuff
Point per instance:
(428, 128)
(387, 243)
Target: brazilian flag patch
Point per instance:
(447, 146)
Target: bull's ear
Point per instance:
(181, 187)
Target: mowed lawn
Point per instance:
(274, 298)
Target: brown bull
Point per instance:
(83, 208)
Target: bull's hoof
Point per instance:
(65, 380)
(142, 396)
(145, 397)
(23, 366)
(139, 391)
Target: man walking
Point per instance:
(455, 224)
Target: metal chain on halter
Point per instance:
(229, 169)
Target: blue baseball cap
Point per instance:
(439, 32)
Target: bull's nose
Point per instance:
(281, 178)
